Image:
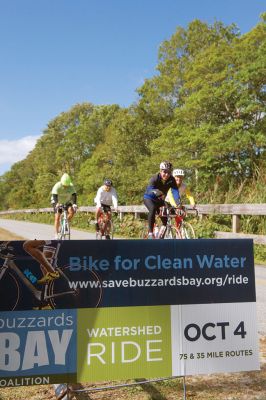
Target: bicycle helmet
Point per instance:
(65, 180)
(178, 172)
(166, 165)
(108, 182)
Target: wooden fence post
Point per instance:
(235, 223)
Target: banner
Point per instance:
(126, 309)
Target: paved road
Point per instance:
(31, 230)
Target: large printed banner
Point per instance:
(126, 309)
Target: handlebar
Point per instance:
(193, 210)
(64, 207)
(181, 211)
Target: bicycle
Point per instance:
(64, 232)
(180, 230)
(63, 292)
(106, 226)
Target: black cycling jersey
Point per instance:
(156, 182)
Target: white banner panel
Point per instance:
(214, 337)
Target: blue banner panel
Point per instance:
(127, 273)
(38, 343)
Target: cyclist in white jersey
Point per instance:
(106, 197)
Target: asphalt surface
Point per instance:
(31, 230)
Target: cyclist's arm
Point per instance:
(74, 198)
(114, 199)
(115, 202)
(173, 197)
(97, 199)
(54, 199)
(54, 196)
(190, 197)
(152, 188)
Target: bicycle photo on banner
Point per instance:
(22, 284)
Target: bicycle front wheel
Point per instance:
(75, 290)
(109, 227)
(64, 231)
(9, 298)
(187, 231)
(98, 235)
(169, 233)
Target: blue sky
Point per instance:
(57, 53)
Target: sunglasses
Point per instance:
(165, 171)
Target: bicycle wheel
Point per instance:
(187, 231)
(9, 292)
(75, 289)
(169, 233)
(109, 227)
(68, 231)
(62, 233)
(100, 231)
(98, 235)
(64, 230)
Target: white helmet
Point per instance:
(166, 165)
(178, 172)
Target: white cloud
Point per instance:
(12, 151)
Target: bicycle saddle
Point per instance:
(5, 251)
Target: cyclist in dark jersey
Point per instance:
(156, 192)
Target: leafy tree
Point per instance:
(218, 127)
(204, 110)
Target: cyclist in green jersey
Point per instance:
(63, 192)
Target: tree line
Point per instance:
(204, 110)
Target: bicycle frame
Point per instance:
(105, 219)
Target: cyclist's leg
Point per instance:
(70, 211)
(32, 247)
(163, 218)
(57, 216)
(152, 207)
(97, 216)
